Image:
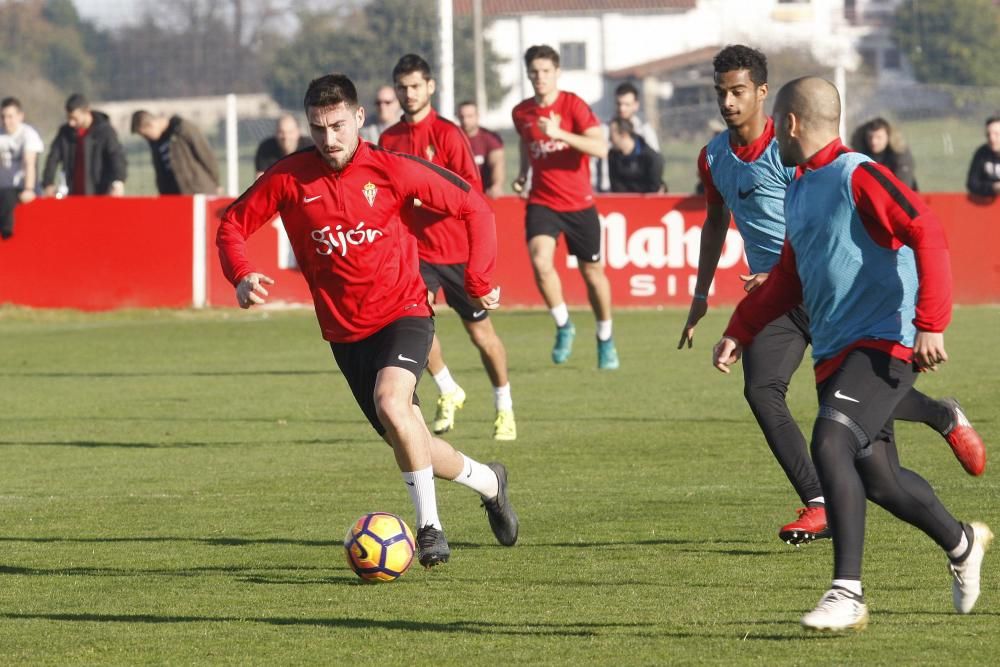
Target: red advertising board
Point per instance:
(99, 253)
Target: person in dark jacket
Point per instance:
(185, 163)
(633, 166)
(984, 171)
(885, 144)
(93, 161)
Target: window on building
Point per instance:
(572, 55)
(891, 59)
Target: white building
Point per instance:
(595, 38)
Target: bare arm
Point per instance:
(591, 142)
(497, 168)
(713, 237)
(524, 165)
(30, 175)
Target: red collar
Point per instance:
(826, 155)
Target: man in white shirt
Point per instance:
(20, 146)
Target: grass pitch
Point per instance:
(176, 486)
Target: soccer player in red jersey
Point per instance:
(745, 179)
(870, 262)
(487, 148)
(559, 133)
(443, 246)
(340, 206)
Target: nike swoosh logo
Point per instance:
(306, 200)
(402, 358)
(746, 193)
(478, 313)
(411, 484)
(845, 397)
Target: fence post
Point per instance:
(232, 149)
(199, 256)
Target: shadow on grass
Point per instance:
(533, 628)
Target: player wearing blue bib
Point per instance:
(743, 175)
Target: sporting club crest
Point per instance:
(370, 191)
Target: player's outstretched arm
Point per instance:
(713, 236)
(251, 291)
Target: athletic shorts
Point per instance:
(863, 393)
(582, 229)
(451, 279)
(404, 343)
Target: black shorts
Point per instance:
(582, 229)
(866, 389)
(451, 279)
(404, 343)
(9, 199)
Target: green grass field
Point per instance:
(176, 486)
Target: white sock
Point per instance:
(603, 329)
(420, 484)
(502, 399)
(817, 499)
(561, 314)
(962, 547)
(445, 383)
(852, 585)
(479, 478)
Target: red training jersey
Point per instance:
(484, 142)
(356, 252)
(560, 175)
(441, 238)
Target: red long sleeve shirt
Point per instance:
(356, 252)
(440, 236)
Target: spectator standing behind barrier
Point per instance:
(185, 164)
(881, 142)
(286, 140)
(632, 165)
(984, 171)
(20, 146)
(487, 149)
(387, 112)
(626, 108)
(87, 147)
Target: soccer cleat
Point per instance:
(564, 343)
(504, 427)
(838, 609)
(447, 405)
(965, 575)
(811, 525)
(432, 547)
(503, 519)
(964, 440)
(607, 355)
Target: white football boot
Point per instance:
(965, 575)
(838, 609)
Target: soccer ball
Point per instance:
(379, 547)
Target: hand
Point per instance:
(519, 183)
(549, 125)
(117, 189)
(251, 289)
(26, 196)
(697, 311)
(752, 281)
(490, 301)
(49, 191)
(726, 353)
(928, 350)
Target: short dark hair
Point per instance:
(623, 125)
(140, 118)
(736, 57)
(76, 101)
(11, 102)
(330, 90)
(541, 51)
(409, 64)
(992, 119)
(466, 103)
(627, 88)
(878, 123)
